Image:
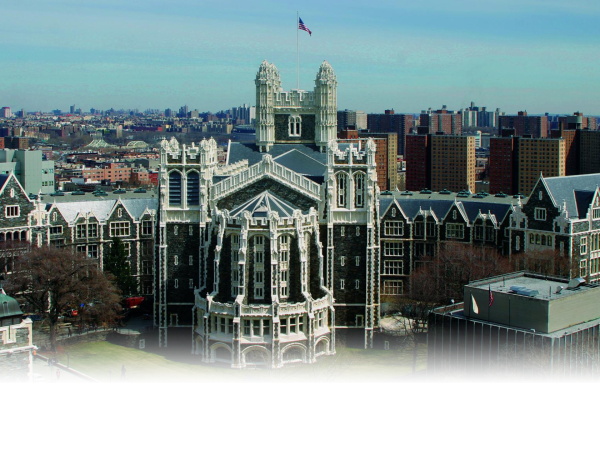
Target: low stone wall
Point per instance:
(14, 366)
(132, 340)
(42, 341)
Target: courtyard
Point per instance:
(108, 362)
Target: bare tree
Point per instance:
(439, 279)
(545, 262)
(52, 281)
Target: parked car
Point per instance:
(139, 191)
(38, 379)
(133, 302)
(57, 194)
(78, 193)
(119, 191)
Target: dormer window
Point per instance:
(294, 126)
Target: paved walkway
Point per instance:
(48, 374)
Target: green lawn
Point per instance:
(103, 361)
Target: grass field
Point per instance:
(104, 361)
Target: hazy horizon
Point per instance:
(519, 55)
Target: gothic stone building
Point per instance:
(85, 226)
(266, 256)
(562, 215)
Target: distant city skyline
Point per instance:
(529, 55)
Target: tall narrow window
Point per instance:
(235, 268)
(284, 249)
(359, 190)
(193, 188)
(174, 188)
(259, 267)
(342, 187)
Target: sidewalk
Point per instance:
(49, 373)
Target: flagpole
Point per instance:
(297, 51)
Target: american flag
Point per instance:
(301, 26)
(491, 296)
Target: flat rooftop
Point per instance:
(547, 287)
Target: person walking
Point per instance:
(123, 372)
(57, 374)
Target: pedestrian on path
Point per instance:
(57, 374)
(123, 372)
(69, 331)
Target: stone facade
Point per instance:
(297, 116)
(16, 351)
(562, 216)
(268, 269)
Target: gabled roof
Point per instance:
(262, 204)
(302, 163)
(102, 209)
(576, 190)
(411, 207)
(250, 152)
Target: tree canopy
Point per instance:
(116, 261)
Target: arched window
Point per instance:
(193, 188)
(23, 235)
(294, 125)
(174, 188)
(342, 190)
(359, 190)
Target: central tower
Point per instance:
(297, 116)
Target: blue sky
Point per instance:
(515, 54)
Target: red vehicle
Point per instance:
(133, 302)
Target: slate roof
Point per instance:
(260, 206)
(302, 163)
(441, 204)
(239, 152)
(576, 190)
(102, 208)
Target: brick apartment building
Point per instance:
(441, 121)
(503, 165)
(539, 156)
(418, 162)
(452, 163)
(389, 122)
(525, 125)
